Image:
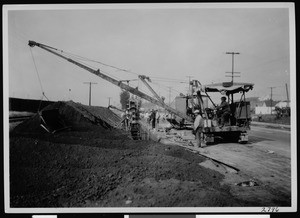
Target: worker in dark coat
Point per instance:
(153, 118)
(223, 111)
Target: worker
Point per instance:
(260, 117)
(223, 111)
(157, 117)
(127, 118)
(153, 118)
(198, 126)
(147, 117)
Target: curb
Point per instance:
(271, 125)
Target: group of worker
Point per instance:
(153, 118)
(223, 112)
(131, 115)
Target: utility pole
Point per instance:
(109, 100)
(90, 91)
(287, 93)
(169, 95)
(69, 94)
(191, 92)
(271, 97)
(189, 83)
(232, 72)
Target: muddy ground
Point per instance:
(94, 166)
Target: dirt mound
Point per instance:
(69, 114)
(90, 169)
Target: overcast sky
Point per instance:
(166, 44)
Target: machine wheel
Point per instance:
(209, 139)
(243, 138)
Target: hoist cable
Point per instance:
(82, 60)
(93, 67)
(36, 70)
(78, 57)
(99, 62)
(40, 82)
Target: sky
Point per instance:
(169, 44)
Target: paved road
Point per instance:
(267, 156)
(271, 134)
(276, 140)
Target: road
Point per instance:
(266, 158)
(276, 140)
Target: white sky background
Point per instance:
(159, 43)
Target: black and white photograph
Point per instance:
(147, 108)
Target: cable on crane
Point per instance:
(83, 59)
(78, 57)
(40, 82)
(99, 62)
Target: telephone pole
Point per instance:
(287, 93)
(189, 82)
(109, 100)
(271, 97)
(191, 92)
(232, 72)
(169, 95)
(90, 91)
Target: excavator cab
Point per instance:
(238, 121)
(239, 108)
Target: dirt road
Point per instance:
(265, 159)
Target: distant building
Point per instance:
(282, 104)
(265, 107)
(254, 101)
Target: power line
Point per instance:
(165, 78)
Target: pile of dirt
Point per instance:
(71, 114)
(94, 166)
(103, 168)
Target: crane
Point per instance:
(128, 88)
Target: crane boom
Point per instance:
(142, 78)
(113, 81)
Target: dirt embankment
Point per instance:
(94, 166)
(105, 168)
